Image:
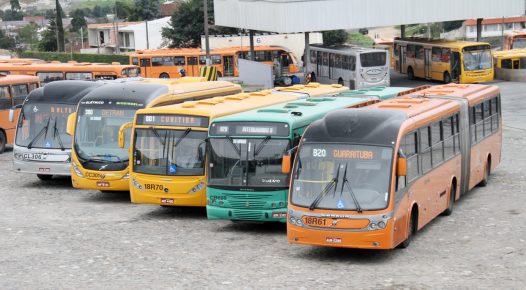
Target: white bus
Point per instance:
(352, 66)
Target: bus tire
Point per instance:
(447, 78)
(413, 225)
(3, 141)
(219, 74)
(410, 73)
(164, 76)
(487, 172)
(452, 195)
(340, 82)
(44, 177)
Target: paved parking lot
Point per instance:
(55, 237)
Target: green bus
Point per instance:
(249, 153)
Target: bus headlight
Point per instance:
(18, 156)
(381, 225)
(136, 184)
(292, 220)
(372, 226)
(76, 169)
(197, 188)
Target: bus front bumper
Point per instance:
(269, 215)
(47, 168)
(122, 184)
(168, 190)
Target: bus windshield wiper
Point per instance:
(328, 187)
(56, 134)
(119, 160)
(231, 141)
(43, 131)
(351, 192)
(261, 145)
(156, 133)
(186, 132)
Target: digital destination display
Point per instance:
(250, 129)
(172, 120)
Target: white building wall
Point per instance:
(287, 16)
(295, 42)
(154, 33)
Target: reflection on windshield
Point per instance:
(169, 152)
(359, 175)
(477, 60)
(254, 162)
(370, 59)
(32, 122)
(97, 134)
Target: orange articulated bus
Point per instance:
(13, 91)
(54, 71)
(393, 167)
(167, 63)
(19, 60)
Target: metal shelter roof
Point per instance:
(287, 16)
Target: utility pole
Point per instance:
(207, 44)
(116, 20)
(147, 39)
(82, 37)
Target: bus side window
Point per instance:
(445, 54)
(313, 56)
(179, 60)
(449, 139)
(479, 122)
(20, 93)
(352, 63)
(419, 52)
(135, 61)
(157, 61)
(410, 52)
(436, 54)
(411, 153)
(487, 118)
(437, 144)
(494, 114)
(425, 149)
(5, 98)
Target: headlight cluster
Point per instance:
(197, 188)
(296, 221)
(136, 184)
(76, 169)
(377, 226)
(281, 204)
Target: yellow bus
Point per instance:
(97, 161)
(443, 60)
(168, 151)
(54, 71)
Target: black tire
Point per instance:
(487, 172)
(340, 82)
(219, 74)
(164, 76)
(452, 194)
(447, 78)
(3, 142)
(410, 73)
(412, 231)
(44, 177)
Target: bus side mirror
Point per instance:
(70, 127)
(122, 130)
(402, 166)
(12, 112)
(285, 163)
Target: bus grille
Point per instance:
(247, 200)
(247, 204)
(247, 215)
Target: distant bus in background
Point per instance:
(352, 66)
(18, 60)
(168, 63)
(515, 39)
(54, 71)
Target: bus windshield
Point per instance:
(247, 162)
(342, 177)
(477, 60)
(370, 59)
(44, 126)
(519, 43)
(169, 152)
(97, 133)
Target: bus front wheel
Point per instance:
(447, 78)
(340, 81)
(410, 73)
(411, 230)
(164, 76)
(3, 142)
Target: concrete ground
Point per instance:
(55, 237)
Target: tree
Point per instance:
(15, 5)
(49, 37)
(6, 41)
(77, 22)
(145, 10)
(10, 15)
(123, 10)
(29, 35)
(335, 37)
(60, 27)
(187, 24)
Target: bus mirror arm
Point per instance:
(286, 161)
(122, 130)
(70, 126)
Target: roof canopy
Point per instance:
(286, 16)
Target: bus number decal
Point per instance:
(319, 153)
(151, 186)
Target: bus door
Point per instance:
(228, 65)
(402, 62)
(193, 68)
(455, 66)
(318, 63)
(285, 62)
(145, 67)
(427, 63)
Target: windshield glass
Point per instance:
(477, 60)
(169, 152)
(33, 121)
(519, 43)
(247, 162)
(322, 168)
(372, 59)
(97, 133)
(133, 72)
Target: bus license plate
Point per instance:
(103, 184)
(167, 200)
(34, 156)
(315, 221)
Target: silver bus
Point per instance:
(352, 66)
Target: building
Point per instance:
(492, 27)
(132, 36)
(168, 8)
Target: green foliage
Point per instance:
(49, 37)
(77, 22)
(60, 27)
(11, 15)
(187, 24)
(29, 35)
(335, 37)
(6, 41)
(15, 5)
(360, 39)
(145, 10)
(452, 25)
(123, 9)
(80, 57)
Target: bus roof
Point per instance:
(62, 92)
(516, 52)
(474, 93)
(380, 92)
(58, 66)
(17, 60)
(312, 89)
(194, 51)
(15, 79)
(442, 42)
(298, 113)
(352, 49)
